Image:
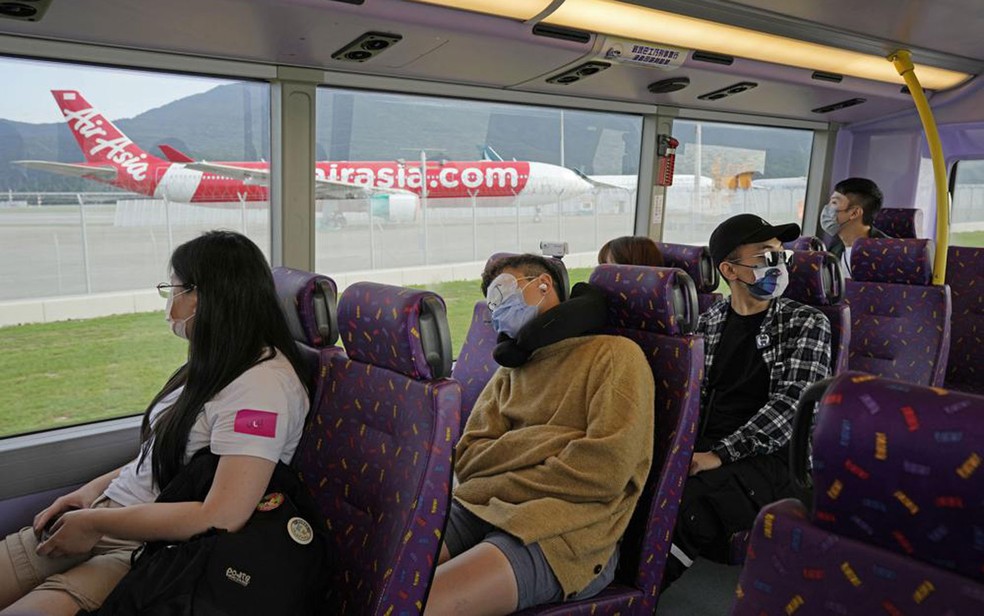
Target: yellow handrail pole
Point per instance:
(902, 59)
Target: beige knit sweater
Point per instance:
(556, 452)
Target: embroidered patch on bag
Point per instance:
(257, 423)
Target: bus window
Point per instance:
(499, 178)
(96, 189)
(967, 218)
(727, 169)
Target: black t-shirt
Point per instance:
(738, 383)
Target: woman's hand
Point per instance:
(79, 499)
(72, 533)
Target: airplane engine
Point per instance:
(395, 208)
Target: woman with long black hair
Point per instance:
(239, 393)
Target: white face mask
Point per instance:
(179, 327)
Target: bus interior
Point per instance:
(404, 142)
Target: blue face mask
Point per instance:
(770, 281)
(510, 312)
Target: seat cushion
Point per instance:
(965, 277)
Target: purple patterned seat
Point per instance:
(805, 242)
(309, 304)
(697, 262)
(656, 308)
(899, 222)
(896, 523)
(815, 279)
(475, 365)
(377, 453)
(965, 275)
(900, 322)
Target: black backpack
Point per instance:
(276, 564)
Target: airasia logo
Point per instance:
(450, 177)
(89, 124)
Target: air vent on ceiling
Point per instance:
(738, 88)
(831, 77)
(366, 46)
(579, 72)
(713, 58)
(24, 10)
(562, 33)
(841, 105)
(350, 1)
(665, 86)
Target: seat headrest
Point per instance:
(309, 302)
(564, 293)
(899, 261)
(405, 330)
(696, 261)
(662, 300)
(805, 242)
(899, 222)
(815, 278)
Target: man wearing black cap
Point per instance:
(760, 352)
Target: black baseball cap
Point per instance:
(747, 229)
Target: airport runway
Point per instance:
(41, 248)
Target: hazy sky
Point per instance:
(116, 93)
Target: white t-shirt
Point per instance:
(260, 414)
(846, 261)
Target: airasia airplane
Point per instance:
(112, 158)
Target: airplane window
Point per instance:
(499, 177)
(727, 169)
(967, 215)
(92, 202)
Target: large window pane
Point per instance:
(967, 218)
(97, 186)
(727, 169)
(498, 178)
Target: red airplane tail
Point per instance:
(104, 144)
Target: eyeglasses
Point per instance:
(772, 258)
(502, 287)
(166, 290)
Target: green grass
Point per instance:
(974, 239)
(60, 374)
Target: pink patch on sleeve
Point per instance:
(257, 423)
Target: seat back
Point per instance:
(378, 451)
(697, 262)
(805, 242)
(900, 322)
(309, 302)
(899, 222)
(896, 524)
(965, 275)
(656, 308)
(475, 365)
(897, 466)
(816, 279)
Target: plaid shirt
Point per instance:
(797, 355)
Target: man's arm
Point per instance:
(485, 425)
(771, 427)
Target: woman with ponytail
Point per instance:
(239, 393)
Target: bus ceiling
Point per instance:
(812, 61)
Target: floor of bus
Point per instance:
(708, 589)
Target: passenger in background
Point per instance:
(760, 352)
(630, 250)
(554, 455)
(239, 393)
(850, 215)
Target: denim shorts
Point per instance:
(535, 580)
